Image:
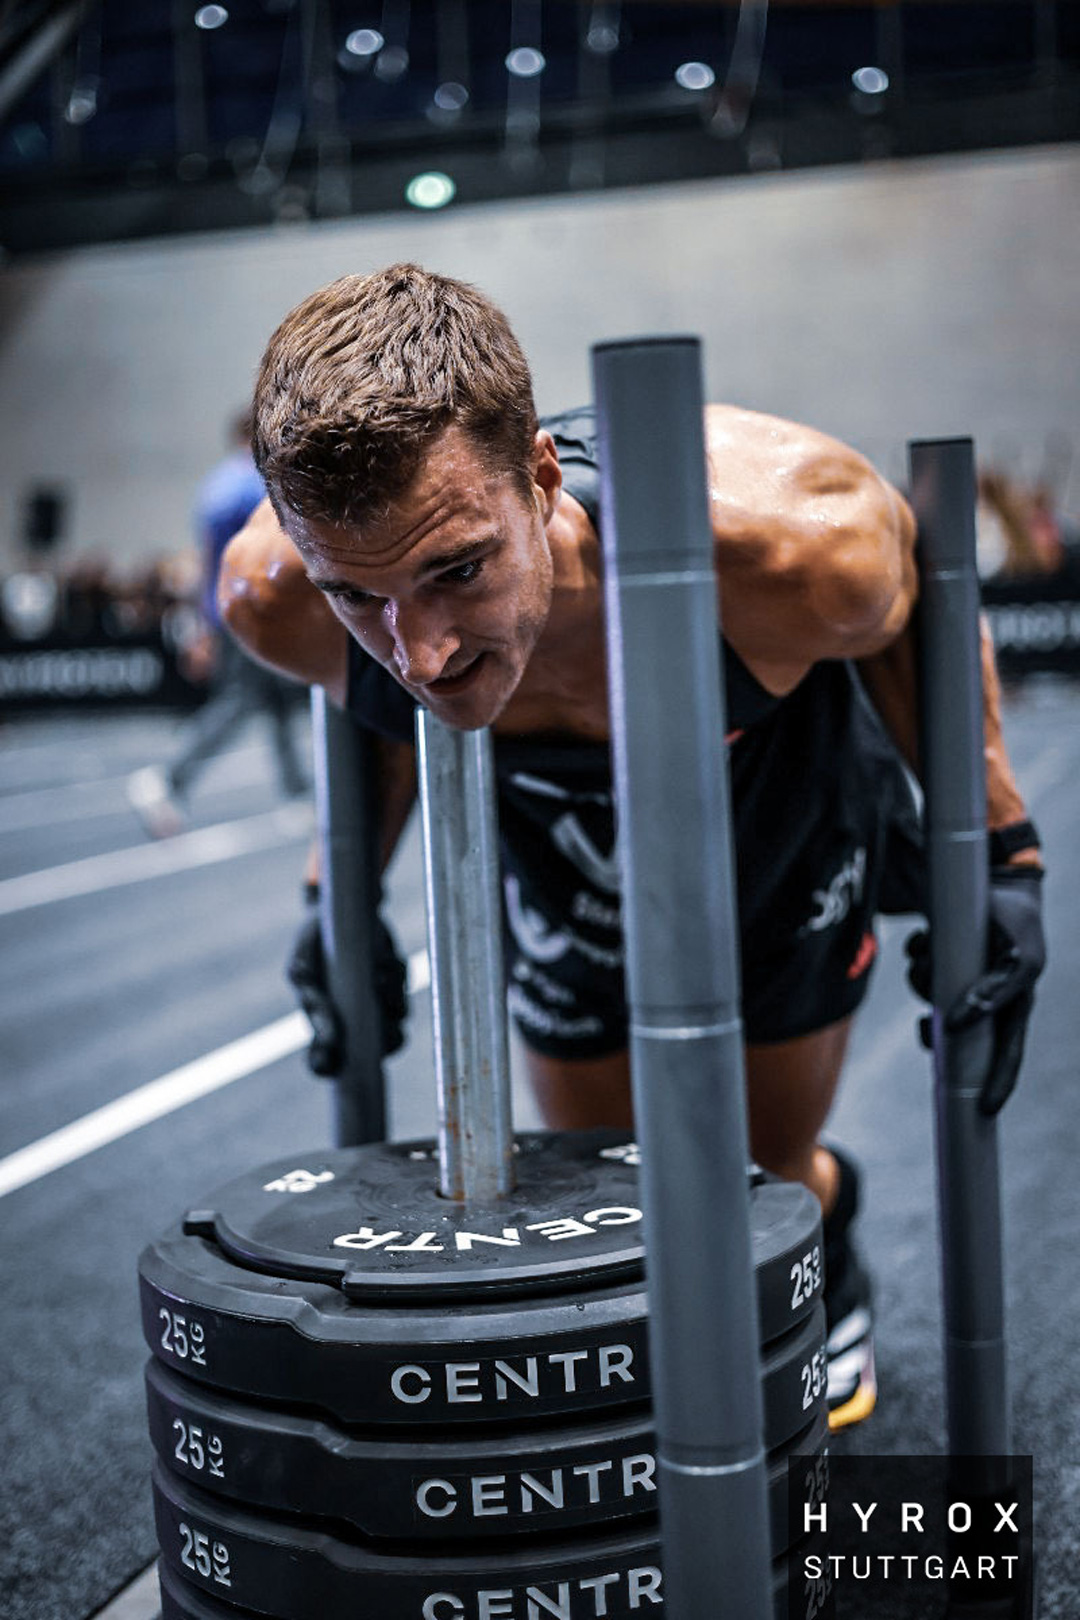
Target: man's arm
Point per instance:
(268, 604)
(814, 551)
(890, 678)
(1016, 948)
(815, 557)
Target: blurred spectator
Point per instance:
(87, 600)
(1017, 533)
(30, 605)
(1046, 530)
(240, 688)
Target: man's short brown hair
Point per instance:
(362, 376)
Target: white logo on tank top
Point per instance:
(832, 904)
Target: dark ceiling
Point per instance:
(128, 118)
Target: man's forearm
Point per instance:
(891, 680)
(397, 794)
(1004, 805)
(395, 789)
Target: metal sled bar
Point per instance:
(461, 883)
(951, 740)
(349, 897)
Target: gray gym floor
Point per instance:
(119, 972)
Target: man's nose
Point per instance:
(423, 643)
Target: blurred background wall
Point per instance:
(880, 302)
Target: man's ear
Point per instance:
(546, 472)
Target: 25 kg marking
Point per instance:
(184, 1339)
(197, 1553)
(191, 1451)
(815, 1378)
(806, 1278)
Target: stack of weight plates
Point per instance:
(367, 1404)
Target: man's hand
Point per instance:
(306, 972)
(1005, 991)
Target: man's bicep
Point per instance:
(813, 548)
(890, 677)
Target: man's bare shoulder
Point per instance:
(813, 547)
(262, 532)
(273, 610)
(780, 447)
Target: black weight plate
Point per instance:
(216, 1560)
(304, 1342)
(546, 1481)
(371, 1220)
(476, 1363)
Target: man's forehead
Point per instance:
(452, 497)
(330, 550)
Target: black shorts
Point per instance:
(825, 837)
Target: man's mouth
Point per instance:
(450, 685)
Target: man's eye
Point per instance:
(354, 599)
(464, 574)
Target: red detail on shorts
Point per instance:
(863, 956)
(733, 736)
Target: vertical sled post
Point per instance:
(349, 892)
(667, 714)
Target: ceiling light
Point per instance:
(431, 190)
(364, 42)
(525, 62)
(82, 103)
(872, 81)
(695, 76)
(602, 39)
(451, 96)
(211, 17)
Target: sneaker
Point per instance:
(149, 796)
(849, 1345)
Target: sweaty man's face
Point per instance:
(449, 588)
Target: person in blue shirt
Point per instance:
(241, 689)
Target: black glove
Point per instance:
(391, 988)
(1005, 991)
(306, 972)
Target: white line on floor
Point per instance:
(138, 862)
(104, 795)
(419, 972)
(149, 1102)
(163, 1096)
(139, 1601)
